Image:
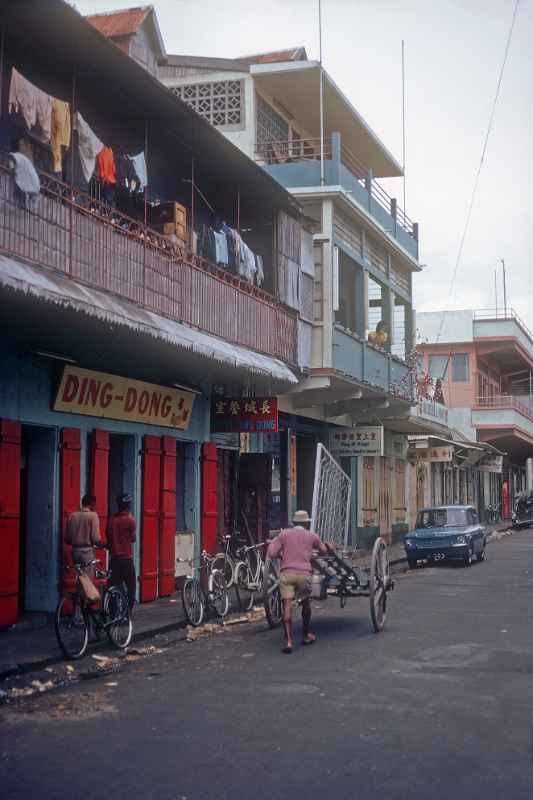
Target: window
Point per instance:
(460, 367)
(219, 102)
(438, 367)
(272, 132)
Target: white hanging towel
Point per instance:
(89, 146)
(26, 178)
(139, 164)
(34, 104)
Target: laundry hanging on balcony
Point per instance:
(60, 132)
(89, 146)
(34, 104)
(26, 178)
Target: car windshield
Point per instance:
(441, 518)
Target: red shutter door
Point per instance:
(99, 482)
(70, 494)
(151, 498)
(209, 497)
(167, 527)
(9, 520)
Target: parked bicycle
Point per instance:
(197, 600)
(75, 616)
(249, 572)
(225, 561)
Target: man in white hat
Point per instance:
(295, 547)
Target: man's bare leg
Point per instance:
(287, 624)
(308, 637)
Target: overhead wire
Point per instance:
(480, 167)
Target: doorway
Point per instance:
(38, 553)
(305, 465)
(121, 475)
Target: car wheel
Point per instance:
(481, 556)
(412, 562)
(468, 558)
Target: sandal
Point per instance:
(287, 649)
(307, 641)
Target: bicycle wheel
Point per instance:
(379, 584)
(218, 592)
(117, 618)
(272, 594)
(225, 564)
(245, 596)
(192, 598)
(72, 626)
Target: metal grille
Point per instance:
(219, 102)
(331, 499)
(271, 128)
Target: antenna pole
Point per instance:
(496, 290)
(504, 288)
(403, 122)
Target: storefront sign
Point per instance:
(244, 415)
(360, 441)
(491, 464)
(98, 394)
(395, 445)
(436, 454)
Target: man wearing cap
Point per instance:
(295, 547)
(120, 537)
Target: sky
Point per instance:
(453, 55)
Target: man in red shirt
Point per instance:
(120, 537)
(295, 548)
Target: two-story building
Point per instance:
(354, 290)
(484, 360)
(139, 273)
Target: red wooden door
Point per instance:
(167, 527)
(70, 494)
(10, 448)
(255, 481)
(209, 497)
(99, 483)
(151, 499)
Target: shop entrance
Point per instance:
(121, 477)
(38, 556)
(305, 460)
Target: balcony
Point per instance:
(96, 246)
(500, 324)
(296, 163)
(503, 412)
(369, 364)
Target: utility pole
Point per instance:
(322, 177)
(504, 289)
(403, 123)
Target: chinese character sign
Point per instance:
(361, 441)
(244, 415)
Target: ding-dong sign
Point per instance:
(244, 415)
(361, 441)
(98, 394)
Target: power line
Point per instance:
(478, 175)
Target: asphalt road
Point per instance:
(440, 705)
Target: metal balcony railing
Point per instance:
(74, 234)
(504, 401)
(488, 314)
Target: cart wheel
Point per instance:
(272, 594)
(380, 583)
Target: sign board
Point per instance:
(244, 415)
(98, 394)
(434, 454)
(396, 445)
(360, 441)
(491, 463)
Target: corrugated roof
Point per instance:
(277, 56)
(120, 23)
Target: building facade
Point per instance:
(121, 325)
(483, 361)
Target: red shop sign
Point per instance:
(244, 415)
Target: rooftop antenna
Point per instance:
(322, 178)
(403, 122)
(504, 288)
(496, 290)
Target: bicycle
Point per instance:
(74, 617)
(249, 575)
(196, 600)
(225, 562)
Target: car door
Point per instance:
(477, 531)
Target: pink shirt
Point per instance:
(295, 546)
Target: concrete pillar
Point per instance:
(361, 301)
(529, 474)
(327, 283)
(334, 176)
(388, 313)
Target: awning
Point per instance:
(55, 288)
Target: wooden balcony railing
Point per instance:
(94, 244)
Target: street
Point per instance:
(439, 705)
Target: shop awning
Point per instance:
(58, 290)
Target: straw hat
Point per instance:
(301, 516)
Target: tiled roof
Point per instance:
(120, 23)
(277, 56)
